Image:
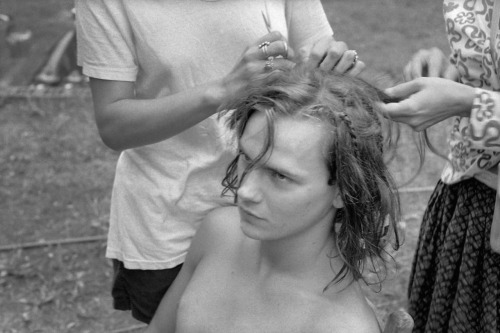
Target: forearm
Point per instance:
(129, 122)
(126, 122)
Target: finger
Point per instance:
(309, 54)
(291, 54)
(393, 110)
(451, 73)
(347, 61)
(417, 66)
(329, 50)
(357, 69)
(407, 76)
(381, 108)
(304, 53)
(267, 49)
(270, 65)
(287, 52)
(270, 37)
(434, 65)
(283, 64)
(402, 90)
(402, 112)
(277, 49)
(333, 54)
(414, 69)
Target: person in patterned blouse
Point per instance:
(454, 284)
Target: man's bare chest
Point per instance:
(222, 300)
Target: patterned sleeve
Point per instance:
(105, 46)
(307, 22)
(484, 126)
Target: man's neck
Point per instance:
(303, 257)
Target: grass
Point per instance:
(48, 20)
(55, 183)
(56, 175)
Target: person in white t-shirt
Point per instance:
(159, 71)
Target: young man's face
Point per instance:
(288, 193)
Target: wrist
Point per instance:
(214, 94)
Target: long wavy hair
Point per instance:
(356, 146)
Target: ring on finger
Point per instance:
(263, 47)
(266, 43)
(355, 60)
(269, 66)
(285, 44)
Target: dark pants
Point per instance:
(140, 290)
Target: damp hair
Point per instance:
(358, 140)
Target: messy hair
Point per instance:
(357, 140)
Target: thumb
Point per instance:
(393, 110)
(403, 90)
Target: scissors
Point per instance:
(267, 20)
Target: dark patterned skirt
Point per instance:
(454, 284)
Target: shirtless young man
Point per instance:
(313, 193)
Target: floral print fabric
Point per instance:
(474, 142)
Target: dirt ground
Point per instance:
(56, 175)
(56, 179)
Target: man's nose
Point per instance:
(249, 188)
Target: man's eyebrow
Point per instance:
(280, 170)
(270, 166)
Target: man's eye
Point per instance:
(279, 176)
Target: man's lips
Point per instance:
(248, 212)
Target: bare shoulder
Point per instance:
(222, 222)
(223, 215)
(220, 229)
(349, 322)
(350, 313)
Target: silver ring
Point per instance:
(269, 66)
(354, 61)
(263, 46)
(266, 43)
(286, 49)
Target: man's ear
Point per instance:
(337, 197)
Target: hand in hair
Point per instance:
(430, 63)
(252, 62)
(330, 54)
(428, 101)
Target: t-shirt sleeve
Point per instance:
(105, 47)
(307, 22)
(484, 125)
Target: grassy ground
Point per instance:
(48, 20)
(56, 176)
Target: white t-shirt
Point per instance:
(162, 191)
